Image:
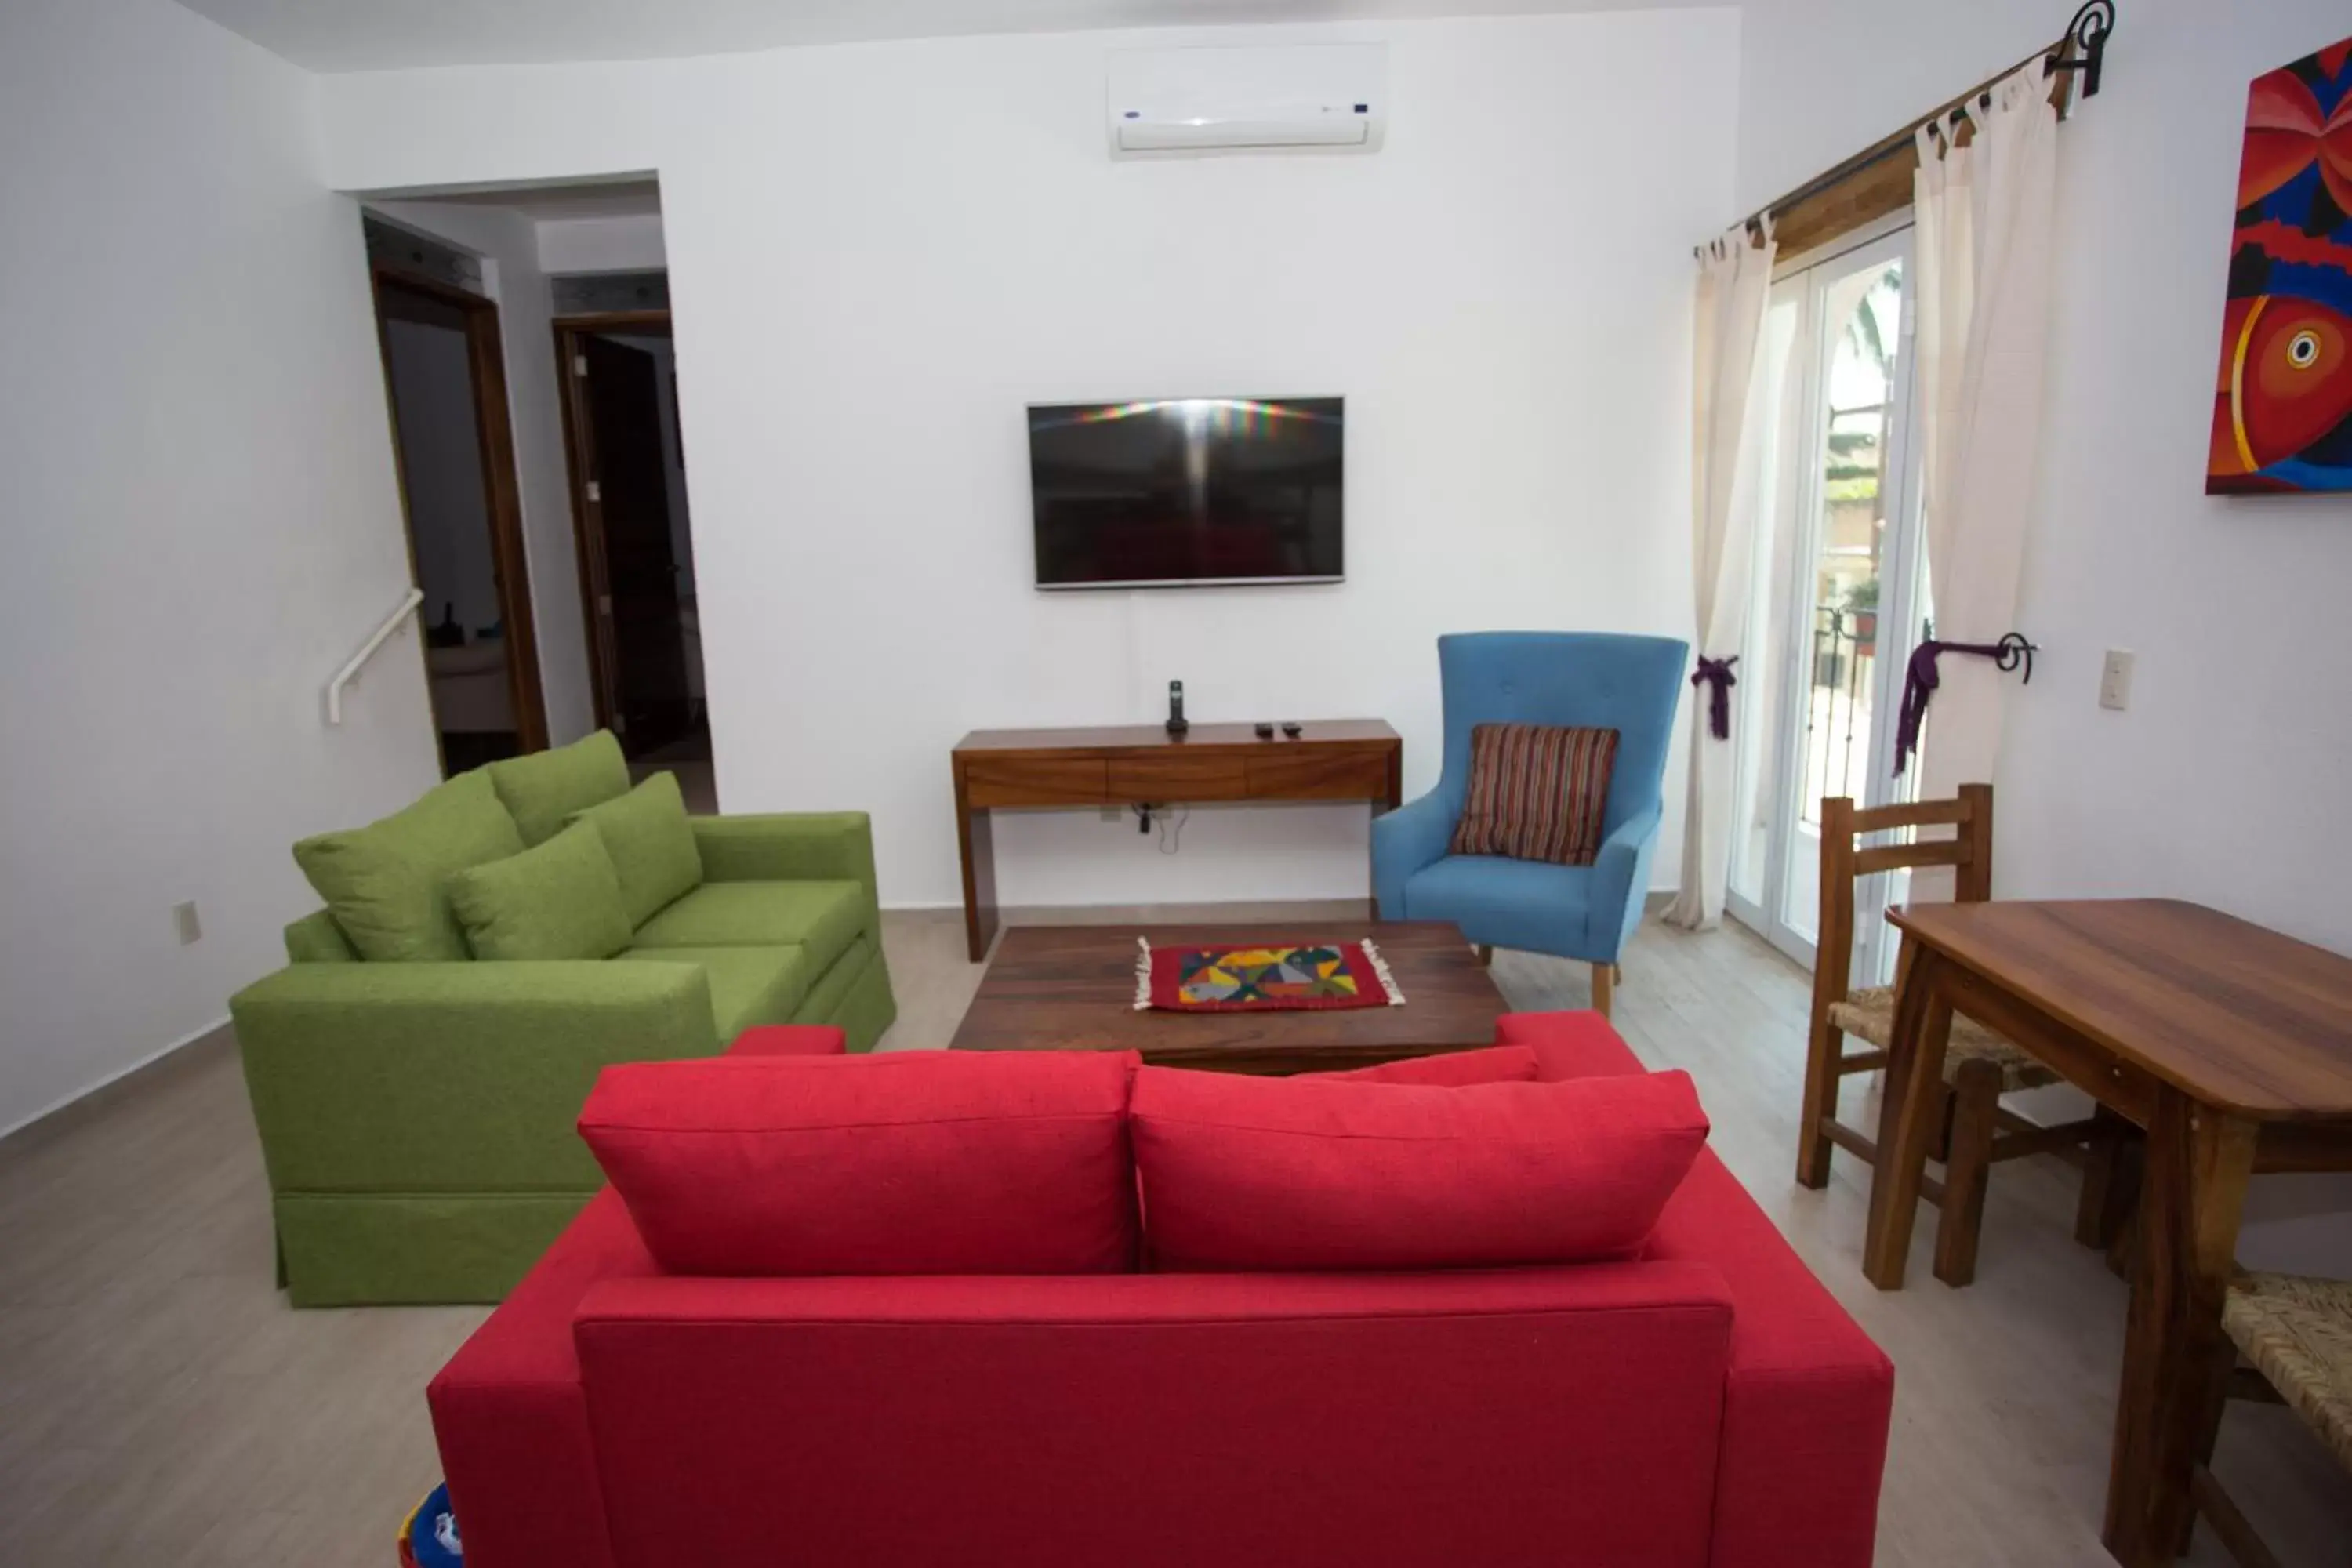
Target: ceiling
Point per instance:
(390, 35)
(607, 198)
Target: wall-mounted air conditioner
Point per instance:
(1329, 98)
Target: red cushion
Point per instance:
(1569, 1045)
(910, 1163)
(790, 1040)
(1496, 1064)
(1303, 1173)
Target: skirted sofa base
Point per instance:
(396, 1249)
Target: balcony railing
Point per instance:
(1842, 670)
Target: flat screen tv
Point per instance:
(1187, 493)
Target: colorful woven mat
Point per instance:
(1242, 979)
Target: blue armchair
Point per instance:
(1627, 684)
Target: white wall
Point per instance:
(201, 525)
(441, 463)
(1821, 79)
(507, 244)
(866, 297)
(2223, 783)
(627, 243)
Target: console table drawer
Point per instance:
(1173, 776)
(1036, 781)
(1317, 773)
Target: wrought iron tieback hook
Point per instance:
(1920, 679)
(1716, 673)
(2013, 651)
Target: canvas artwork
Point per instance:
(2282, 403)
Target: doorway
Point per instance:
(444, 382)
(626, 451)
(1838, 595)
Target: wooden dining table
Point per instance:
(2229, 1044)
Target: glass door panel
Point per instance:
(1826, 636)
(1861, 312)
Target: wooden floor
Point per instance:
(160, 1406)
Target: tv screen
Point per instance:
(1187, 491)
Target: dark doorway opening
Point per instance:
(626, 449)
(444, 379)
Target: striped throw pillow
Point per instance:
(1538, 791)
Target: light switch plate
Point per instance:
(184, 922)
(2115, 679)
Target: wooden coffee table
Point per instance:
(1071, 988)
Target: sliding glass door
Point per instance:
(1836, 611)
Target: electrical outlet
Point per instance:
(1114, 814)
(2115, 679)
(184, 922)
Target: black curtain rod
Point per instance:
(2083, 48)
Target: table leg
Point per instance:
(2174, 1352)
(1381, 806)
(976, 840)
(1907, 1115)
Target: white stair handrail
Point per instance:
(351, 672)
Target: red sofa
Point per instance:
(1707, 1404)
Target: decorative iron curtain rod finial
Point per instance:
(2087, 32)
(2083, 48)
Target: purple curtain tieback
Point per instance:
(1920, 679)
(1715, 674)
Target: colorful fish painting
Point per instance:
(2282, 399)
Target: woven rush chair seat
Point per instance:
(2297, 1332)
(1870, 1015)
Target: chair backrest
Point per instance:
(1845, 861)
(1601, 680)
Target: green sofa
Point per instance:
(416, 1115)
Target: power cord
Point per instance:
(1171, 824)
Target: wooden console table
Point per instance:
(1142, 764)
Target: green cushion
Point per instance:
(823, 917)
(748, 984)
(651, 843)
(546, 787)
(317, 939)
(384, 883)
(559, 899)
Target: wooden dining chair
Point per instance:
(1979, 1066)
(2295, 1334)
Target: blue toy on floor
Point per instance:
(429, 1538)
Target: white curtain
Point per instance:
(1735, 282)
(1982, 282)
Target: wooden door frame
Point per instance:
(587, 516)
(501, 493)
